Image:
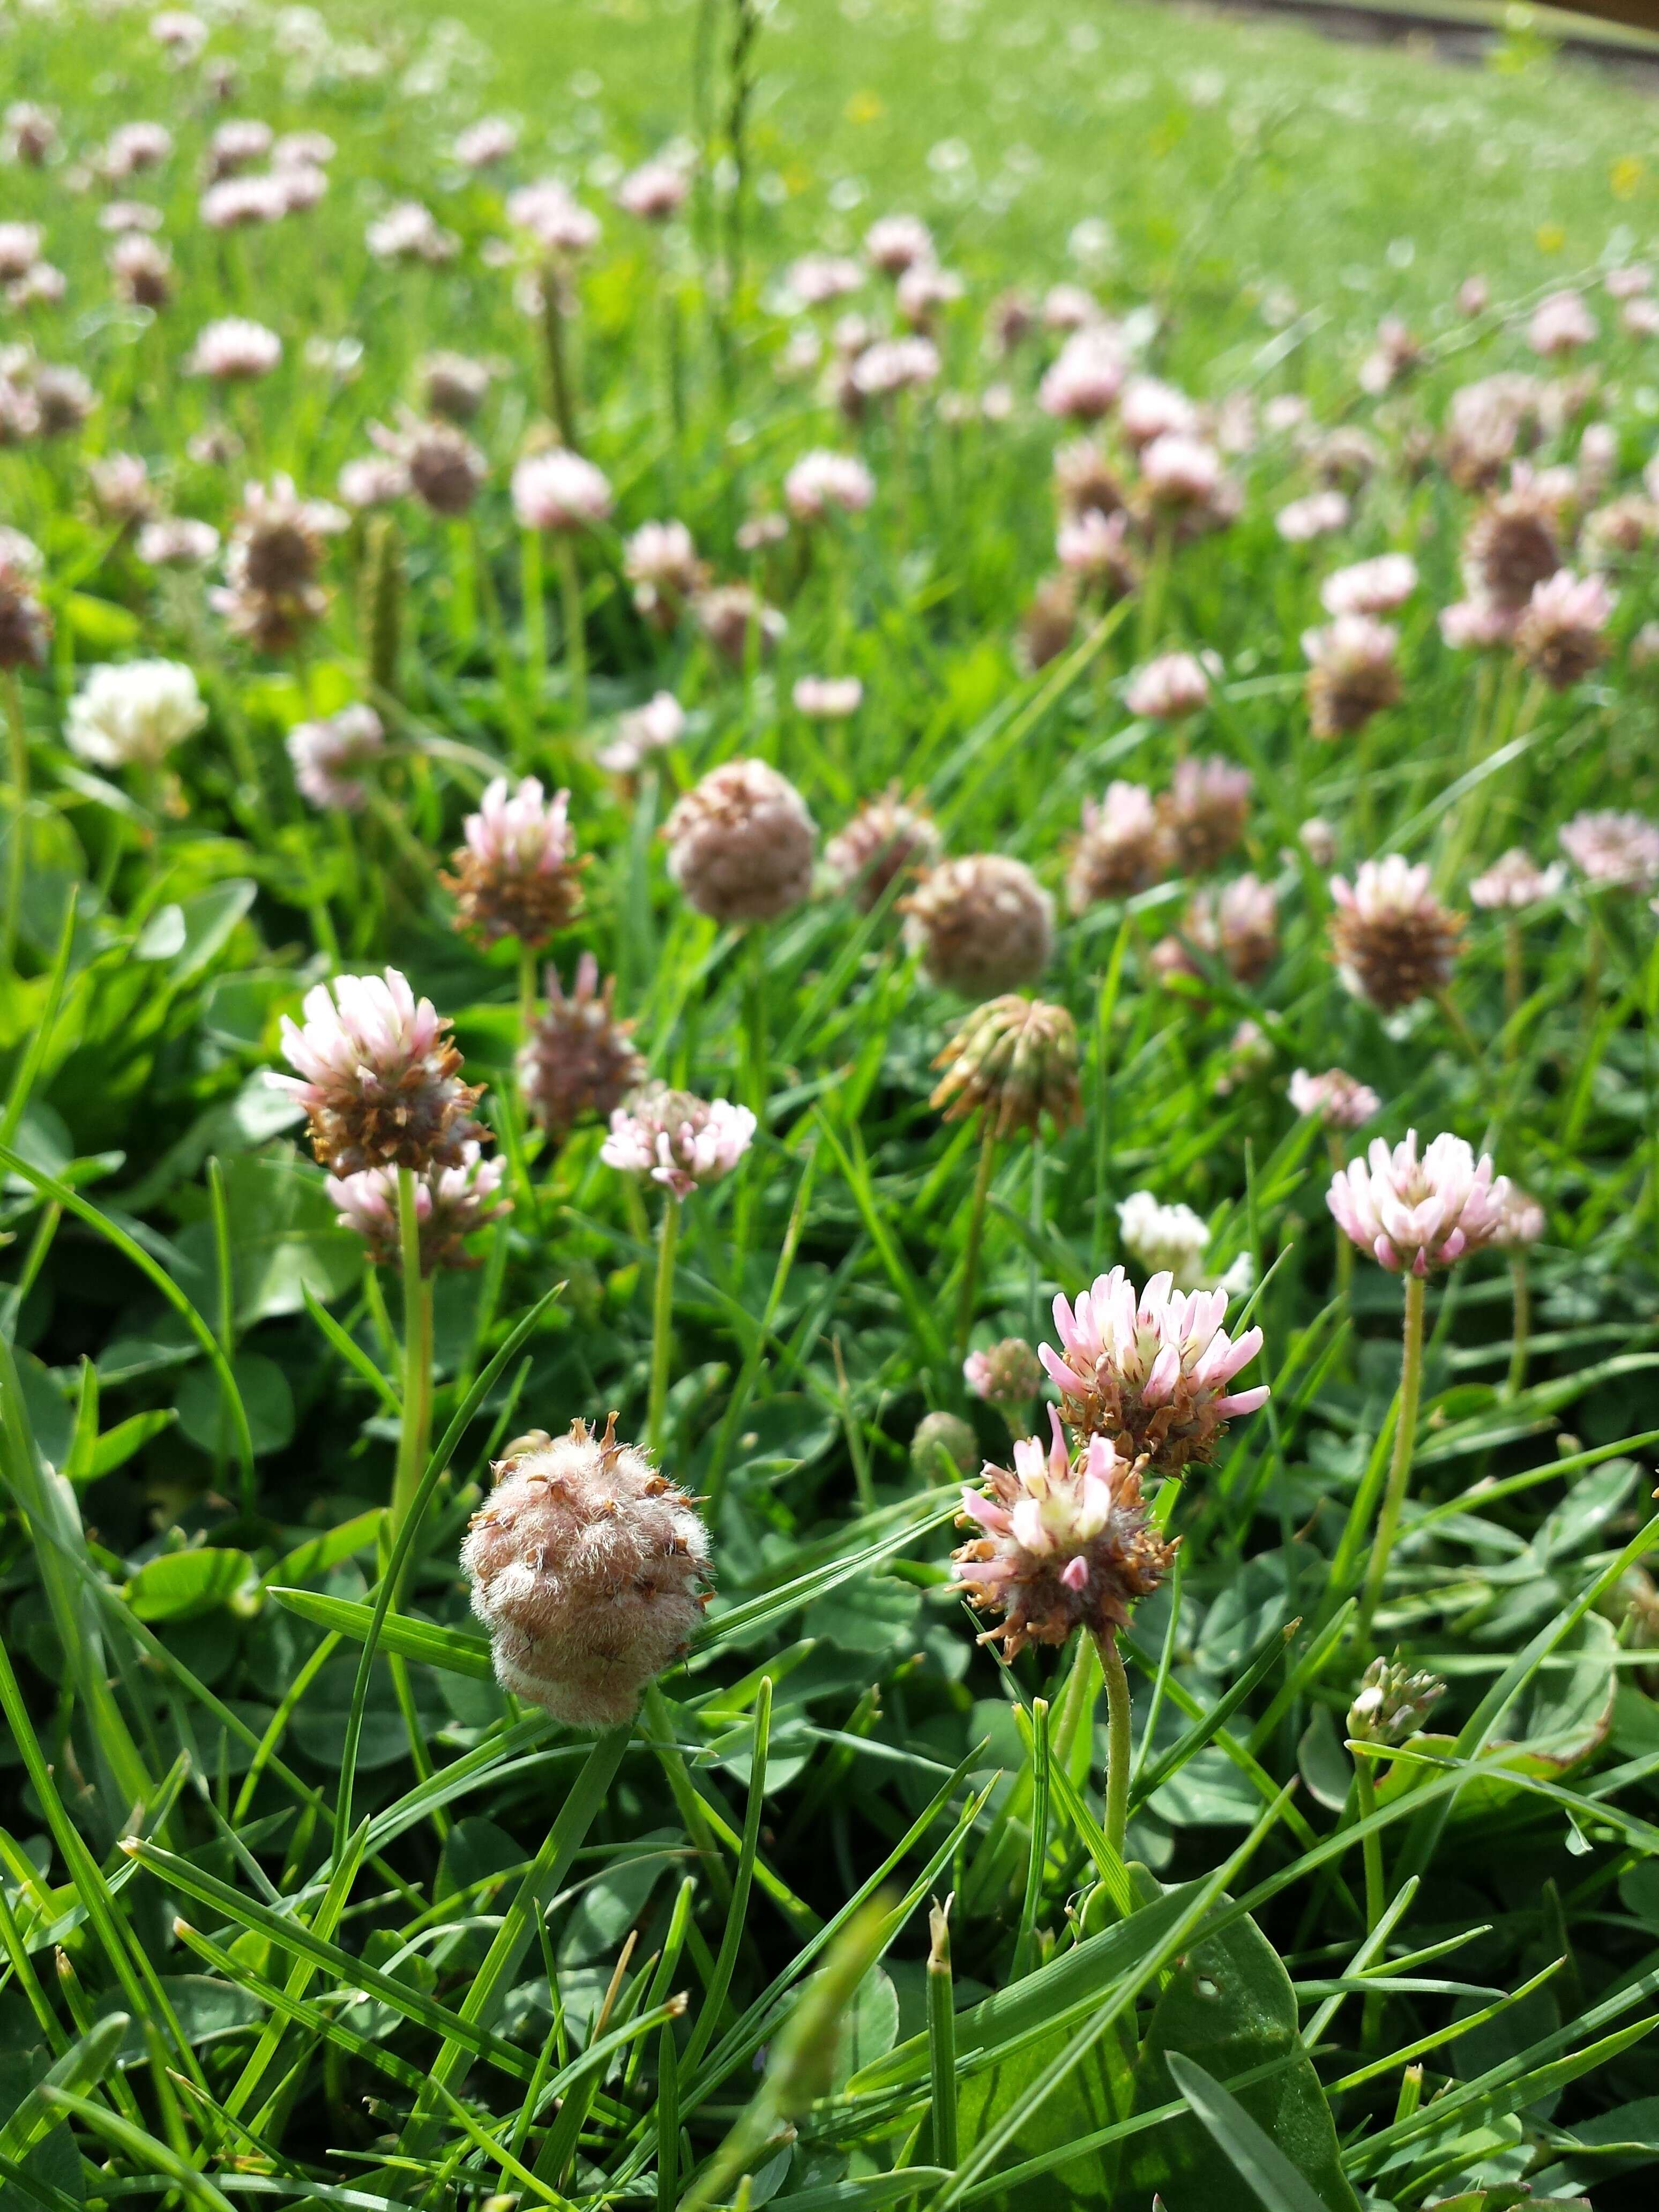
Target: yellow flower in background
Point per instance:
(863, 107)
(1550, 237)
(1624, 175)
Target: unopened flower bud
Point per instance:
(1392, 1702)
(1012, 1061)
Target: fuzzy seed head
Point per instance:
(740, 843)
(983, 924)
(589, 1571)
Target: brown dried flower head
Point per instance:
(1393, 940)
(379, 1077)
(589, 1571)
(579, 1061)
(1012, 1061)
(1512, 545)
(1124, 848)
(1050, 622)
(740, 843)
(1066, 1543)
(887, 838)
(983, 924)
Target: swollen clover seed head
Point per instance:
(589, 1570)
(1151, 1372)
(1065, 1542)
(1391, 1703)
(379, 1077)
(1413, 1214)
(740, 843)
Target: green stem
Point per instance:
(535, 612)
(1461, 1030)
(1400, 1467)
(575, 641)
(987, 1152)
(561, 404)
(1119, 1738)
(1343, 1245)
(1376, 1892)
(942, 2035)
(527, 992)
(662, 1323)
(20, 801)
(413, 1432)
(1153, 589)
(1517, 1375)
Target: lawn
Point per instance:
(829, 1139)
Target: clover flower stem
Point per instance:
(561, 404)
(526, 989)
(531, 591)
(1517, 1375)
(1371, 1849)
(1515, 984)
(1344, 1244)
(17, 741)
(414, 1426)
(575, 641)
(662, 1323)
(464, 600)
(1400, 1467)
(1460, 1029)
(1119, 1739)
(987, 1158)
(1154, 588)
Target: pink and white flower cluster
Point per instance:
(680, 1141)
(1412, 1212)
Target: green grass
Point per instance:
(298, 1903)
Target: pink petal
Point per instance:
(1075, 1573)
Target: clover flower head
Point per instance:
(1413, 1212)
(378, 1076)
(517, 873)
(683, 1142)
(1065, 1541)
(450, 1203)
(579, 1060)
(1612, 850)
(821, 481)
(1392, 1702)
(1393, 939)
(559, 490)
(1172, 686)
(1150, 1371)
(1171, 1237)
(134, 713)
(1338, 1099)
(1516, 881)
(329, 754)
(1370, 588)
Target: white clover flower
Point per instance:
(1412, 1213)
(134, 713)
(683, 1142)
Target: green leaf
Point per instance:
(1228, 2004)
(180, 1585)
(457, 1649)
(1097, 2093)
(267, 1398)
(1254, 2155)
(285, 1240)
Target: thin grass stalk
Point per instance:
(1377, 1898)
(561, 399)
(942, 2035)
(1399, 1468)
(662, 1322)
(1025, 1940)
(533, 592)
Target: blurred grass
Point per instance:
(1224, 159)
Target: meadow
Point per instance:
(829, 1130)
